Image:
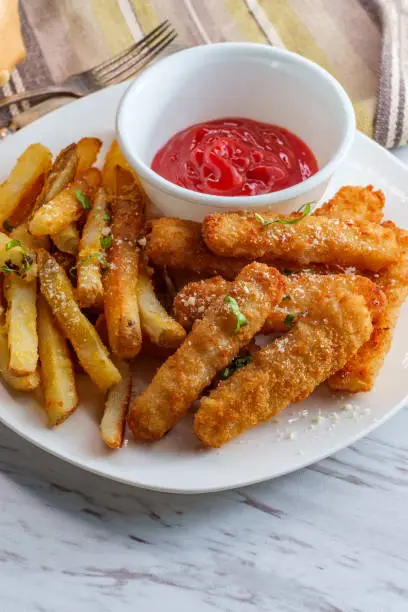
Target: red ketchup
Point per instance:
(235, 157)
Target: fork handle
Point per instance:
(37, 94)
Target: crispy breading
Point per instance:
(193, 300)
(121, 279)
(368, 246)
(353, 202)
(211, 345)
(178, 244)
(288, 369)
(361, 371)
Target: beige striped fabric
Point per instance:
(361, 42)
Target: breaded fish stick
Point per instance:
(313, 239)
(361, 371)
(178, 244)
(358, 203)
(193, 300)
(287, 370)
(214, 341)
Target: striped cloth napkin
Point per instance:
(361, 42)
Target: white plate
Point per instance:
(177, 463)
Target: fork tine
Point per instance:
(139, 45)
(140, 61)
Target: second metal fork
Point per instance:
(114, 70)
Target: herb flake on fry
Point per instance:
(305, 209)
(241, 319)
(83, 199)
(106, 242)
(236, 364)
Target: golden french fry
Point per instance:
(120, 280)
(57, 371)
(114, 158)
(29, 242)
(116, 407)
(161, 328)
(96, 232)
(61, 174)
(88, 346)
(20, 383)
(67, 207)
(30, 166)
(26, 206)
(87, 151)
(67, 240)
(66, 261)
(304, 239)
(21, 299)
(3, 305)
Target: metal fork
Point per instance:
(113, 71)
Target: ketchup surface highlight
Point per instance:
(235, 157)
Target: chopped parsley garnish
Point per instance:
(264, 222)
(236, 364)
(12, 244)
(106, 242)
(290, 319)
(7, 225)
(9, 267)
(305, 210)
(101, 258)
(83, 199)
(286, 298)
(107, 217)
(241, 319)
(26, 262)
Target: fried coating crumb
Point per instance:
(368, 246)
(355, 202)
(288, 369)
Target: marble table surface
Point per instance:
(330, 538)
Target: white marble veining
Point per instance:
(330, 538)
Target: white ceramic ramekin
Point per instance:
(234, 80)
